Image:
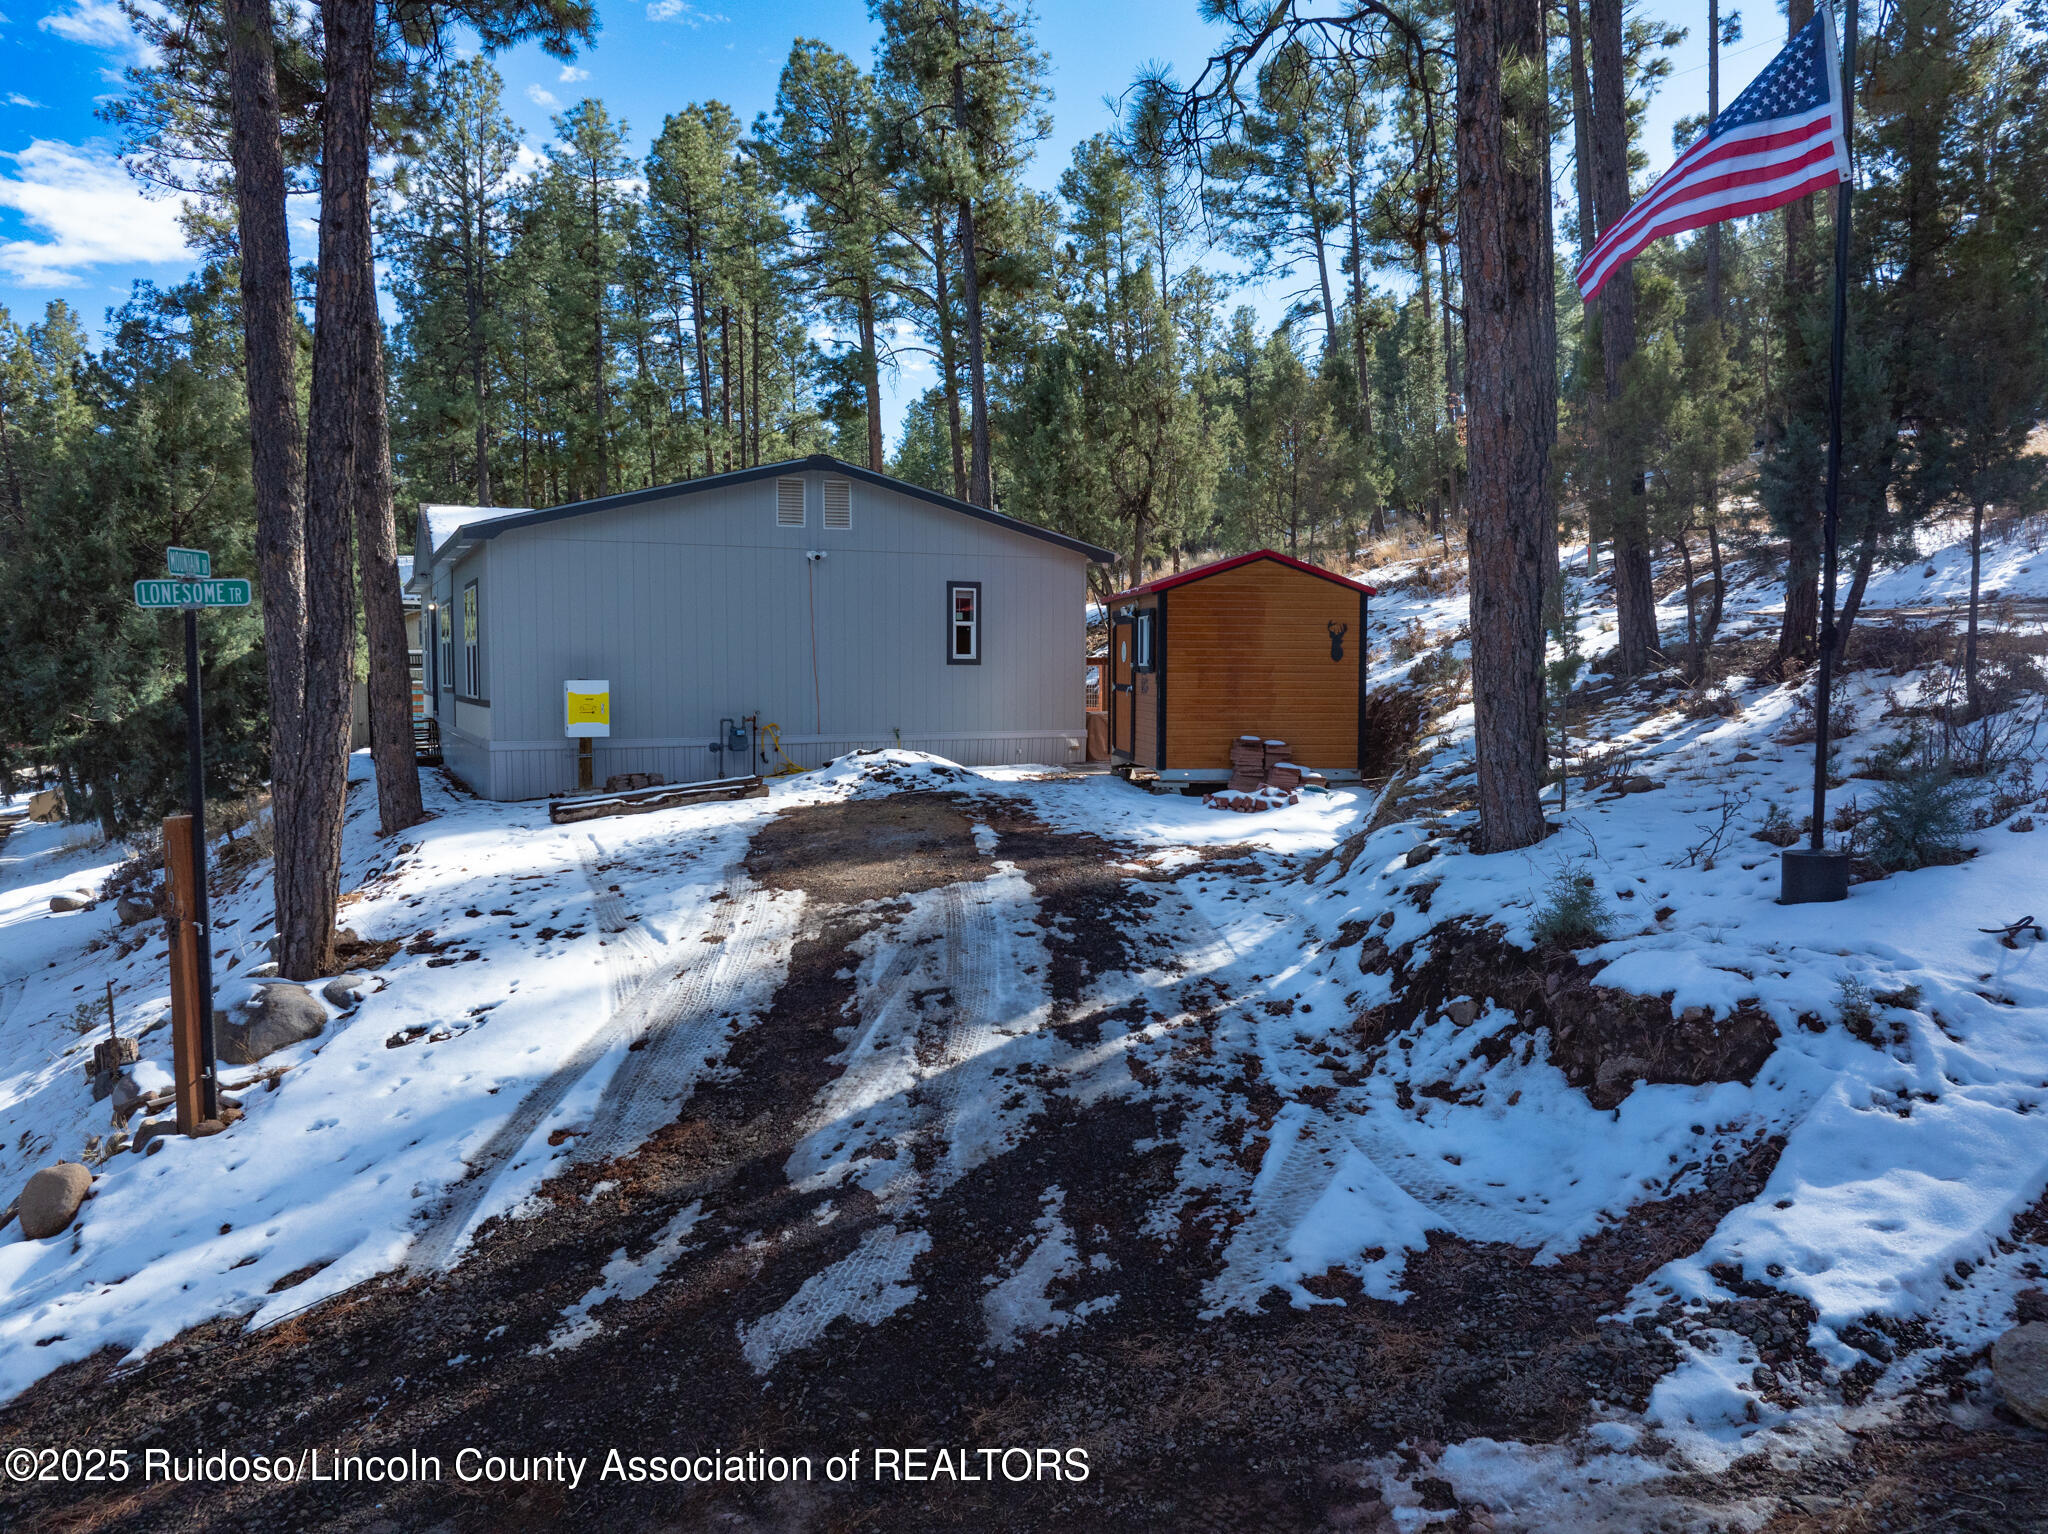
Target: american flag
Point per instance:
(1778, 140)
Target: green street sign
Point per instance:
(191, 593)
(189, 564)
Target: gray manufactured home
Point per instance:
(840, 607)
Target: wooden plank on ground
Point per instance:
(642, 801)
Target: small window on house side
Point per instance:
(963, 623)
(447, 646)
(838, 505)
(1141, 631)
(472, 645)
(789, 503)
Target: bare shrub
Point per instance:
(1393, 724)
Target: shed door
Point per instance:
(1122, 709)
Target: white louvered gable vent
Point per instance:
(789, 503)
(838, 504)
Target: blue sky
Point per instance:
(74, 226)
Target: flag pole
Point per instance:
(1826, 881)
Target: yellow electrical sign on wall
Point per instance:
(587, 709)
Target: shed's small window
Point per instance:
(963, 628)
(838, 505)
(1141, 630)
(472, 645)
(446, 647)
(789, 503)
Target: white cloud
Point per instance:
(571, 74)
(16, 99)
(86, 211)
(95, 23)
(540, 96)
(684, 12)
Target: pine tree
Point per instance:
(824, 146)
(446, 239)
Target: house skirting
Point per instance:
(533, 769)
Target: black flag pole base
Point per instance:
(1808, 875)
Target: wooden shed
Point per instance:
(1257, 645)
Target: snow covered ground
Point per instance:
(1908, 1081)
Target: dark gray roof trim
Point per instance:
(477, 532)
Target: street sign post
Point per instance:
(192, 588)
(207, 593)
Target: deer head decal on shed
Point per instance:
(1337, 633)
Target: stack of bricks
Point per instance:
(1247, 764)
(1261, 777)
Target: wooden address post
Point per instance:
(189, 1065)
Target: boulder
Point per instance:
(140, 1081)
(134, 910)
(2019, 1364)
(1419, 854)
(72, 900)
(347, 991)
(279, 1015)
(266, 971)
(49, 1200)
(1464, 1011)
(1619, 1074)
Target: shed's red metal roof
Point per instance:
(1202, 572)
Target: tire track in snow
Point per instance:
(684, 1011)
(1282, 1196)
(641, 1003)
(953, 943)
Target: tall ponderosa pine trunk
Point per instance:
(391, 744)
(1582, 124)
(345, 308)
(349, 398)
(476, 241)
(1511, 419)
(871, 377)
(1972, 696)
(949, 369)
(600, 384)
(980, 480)
(1635, 607)
(305, 802)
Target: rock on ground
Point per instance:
(134, 910)
(2019, 1363)
(347, 991)
(72, 900)
(50, 1199)
(279, 1015)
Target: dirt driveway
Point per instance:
(957, 1204)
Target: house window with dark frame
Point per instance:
(444, 644)
(963, 623)
(472, 644)
(1142, 627)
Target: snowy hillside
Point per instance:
(1775, 1171)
